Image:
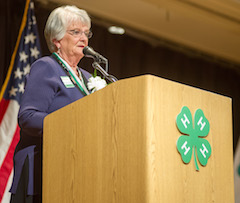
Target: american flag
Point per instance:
(26, 51)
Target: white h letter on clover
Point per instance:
(185, 121)
(185, 147)
(204, 150)
(200, 123)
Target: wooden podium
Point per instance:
(118, 145)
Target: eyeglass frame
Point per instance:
(78, 33)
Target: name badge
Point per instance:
(67, 81)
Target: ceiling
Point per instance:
(210, 27)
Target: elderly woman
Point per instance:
(54, 81)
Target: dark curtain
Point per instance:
(129, 56)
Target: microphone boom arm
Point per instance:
(101, 59)
(97, 66)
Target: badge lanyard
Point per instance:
(69, 70)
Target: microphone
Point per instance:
(89, 52)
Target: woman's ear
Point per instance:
(57, 44)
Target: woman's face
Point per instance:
(74, 40)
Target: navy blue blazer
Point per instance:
(44, 93)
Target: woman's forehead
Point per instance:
(77, 24)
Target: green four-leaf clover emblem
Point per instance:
(192, 142)
(239, 170)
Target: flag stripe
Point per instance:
(24, 20)
(7, 165)
(7, 128)
(10, 135)
(3, 108)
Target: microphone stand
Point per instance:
(97, 66)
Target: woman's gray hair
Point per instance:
(58, 21)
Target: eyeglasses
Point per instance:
(78, 33)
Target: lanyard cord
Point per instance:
(81, 87)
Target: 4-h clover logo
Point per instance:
(239, 170)
(192, 139)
